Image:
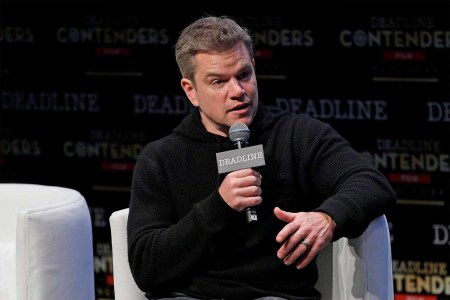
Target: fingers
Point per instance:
(305, 258)
(297, 253)
(246, 182)
(289, 228)
(290, 250)
(246, 172)
(250, 191)
(301, 255)
(241, 189)
(304, 235)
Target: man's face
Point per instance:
(225, 88)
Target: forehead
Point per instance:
(235, 58)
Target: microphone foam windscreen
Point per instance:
(239, 132)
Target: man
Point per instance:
(187, 234)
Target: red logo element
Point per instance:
(263, 53)
(404, 55)
(414, 297)
(103, 51)
(410, 178)
(117, 166)
(109, 280)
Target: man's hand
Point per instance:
(304, 235)
(241, 189)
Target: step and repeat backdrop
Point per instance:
(85, 85)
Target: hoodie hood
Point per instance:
(191, 127)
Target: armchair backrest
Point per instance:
(359, 268)
(50, 230)
(125, 287)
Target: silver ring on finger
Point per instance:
(307, 246)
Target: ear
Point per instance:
(190, 91)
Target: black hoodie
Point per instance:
(183, 237)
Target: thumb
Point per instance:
(283, 215)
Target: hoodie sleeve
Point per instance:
(162, 248)
(355, 191)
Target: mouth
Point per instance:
(240, 107)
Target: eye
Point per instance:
(244, 75)
(217, 82)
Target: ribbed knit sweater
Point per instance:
(183, 237)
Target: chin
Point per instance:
(246, 120)
(242, 117)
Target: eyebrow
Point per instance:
(244, 68)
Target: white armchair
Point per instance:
(46, 250)
(125, 288)
(349, 269)
(359, 268)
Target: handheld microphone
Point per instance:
(239, 135)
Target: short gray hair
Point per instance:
(208, 34)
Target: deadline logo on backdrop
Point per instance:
(16, 35)
(112, 30)
(417, 168)
(49, 101)
(335, 109)
(404, 42)
(397, 33)
(162, 104)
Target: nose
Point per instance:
(237, 91)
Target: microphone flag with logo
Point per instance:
(241, 158)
